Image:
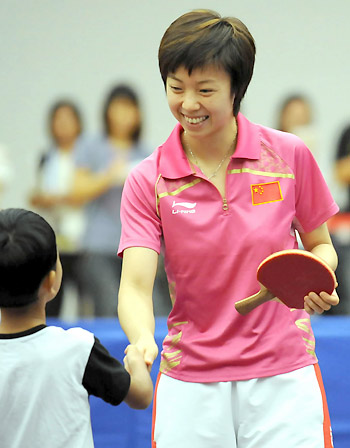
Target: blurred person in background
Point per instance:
(340, 224)
(295, 116)
(6, 171)
(52, 193)
(103, 166)
(342, 164)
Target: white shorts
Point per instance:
(283, 411)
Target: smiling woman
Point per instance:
(202, 102)
(206, 79)
(219, 196)
(199, 42)
(204, 94)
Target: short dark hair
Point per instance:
(59, 104)
(28, 253)
(202, 37)
(121, 91)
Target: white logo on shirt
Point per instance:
(190, 206)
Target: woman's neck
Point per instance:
(212, 148)
(65, 145)
(121, 142)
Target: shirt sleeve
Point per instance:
(314, 202)
(105, 377)
(141, 226)
(87, 153)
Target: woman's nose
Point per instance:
(190, 102)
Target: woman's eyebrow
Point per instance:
(174, 78)
(204, 81)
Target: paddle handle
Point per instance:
(247, 305)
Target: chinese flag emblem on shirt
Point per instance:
(265, 193)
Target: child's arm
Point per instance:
(105, 377)
(141, 387)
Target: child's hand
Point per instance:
(132, 356)
(141, 386)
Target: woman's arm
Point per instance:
(47, 201)
(89, 185)
(319, 243)
(135, 305)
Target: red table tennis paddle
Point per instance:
(289, 275)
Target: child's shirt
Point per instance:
(46, 377)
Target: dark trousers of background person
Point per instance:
(343, 276)
(161, 296)
(101, 277)
(72, 274)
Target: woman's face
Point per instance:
(123, 116)
(202, 101)
(65, 125)
(297, 113)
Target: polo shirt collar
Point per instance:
(248, 141)
(174, 164)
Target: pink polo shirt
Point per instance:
(213, 247)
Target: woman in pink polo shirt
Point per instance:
(225, 380)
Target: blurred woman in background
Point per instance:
(103, 165)
(53, 192)
(6, 170)
(296, 116)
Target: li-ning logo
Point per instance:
(189, 207)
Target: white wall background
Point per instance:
(79, 48)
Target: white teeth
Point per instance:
(194, 120)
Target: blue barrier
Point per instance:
(127, 428)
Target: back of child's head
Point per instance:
(28, 253)
(201, 38)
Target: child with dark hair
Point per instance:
(47, 373)
(220, 195)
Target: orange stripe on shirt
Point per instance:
(327, 429)
(154, 409)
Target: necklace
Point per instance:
(220, 164)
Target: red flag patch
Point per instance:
(265, 193)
